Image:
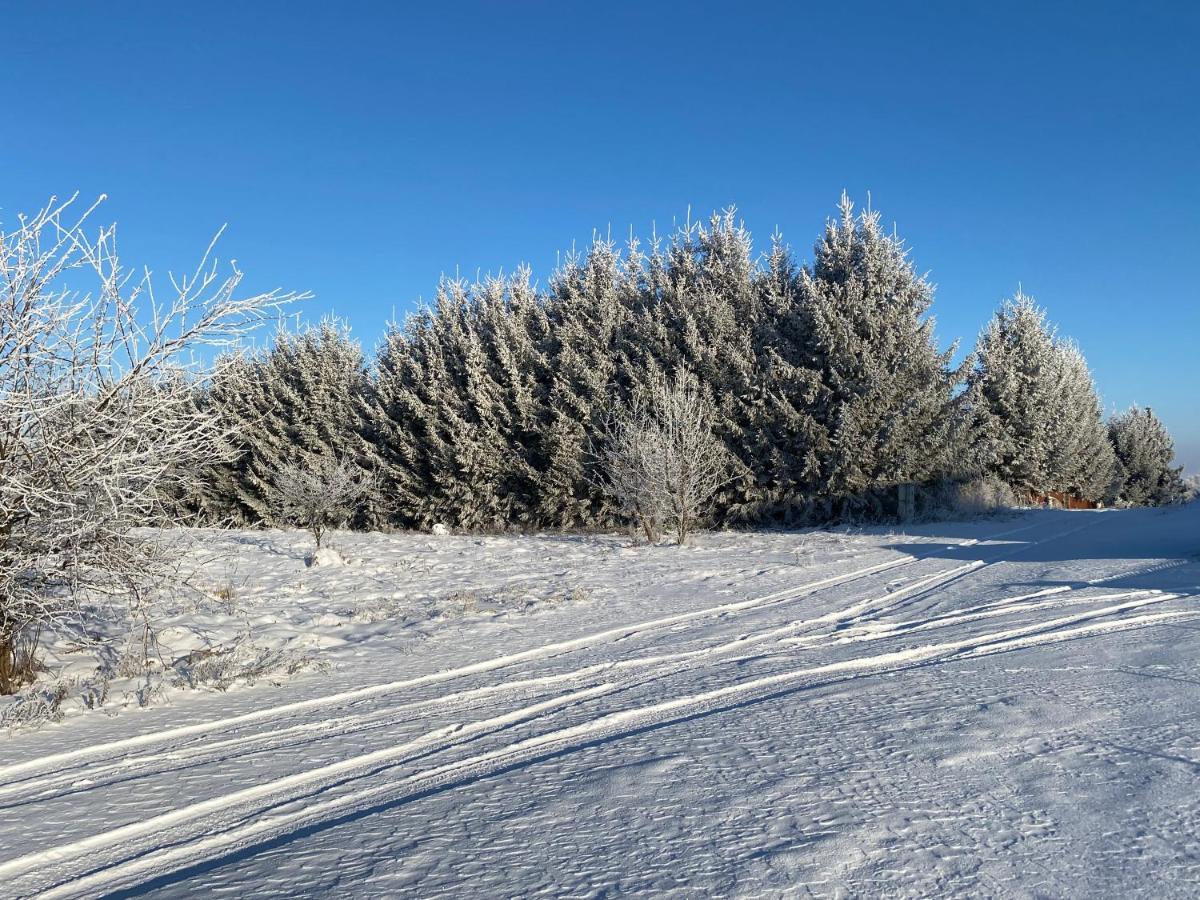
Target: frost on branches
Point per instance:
(1145, 456)
(317, 496)
(823, 383)
(294, 402)
(885, 401)
(1043, 415)
(662, 464)
(98, 417)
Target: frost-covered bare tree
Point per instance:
(634, 476)
(662, 463)
(98, 419)
(319, 495)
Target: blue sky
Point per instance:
(358, 150)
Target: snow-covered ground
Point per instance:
(1009, 707)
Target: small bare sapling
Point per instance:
(662, 464)
(319, 495)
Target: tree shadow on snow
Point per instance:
(1070, 548)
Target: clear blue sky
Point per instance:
(360, 149)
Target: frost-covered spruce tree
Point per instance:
(1013, 375)
(1145, 453)
(789, 443)
(502, 399)
(471, 477)
(886, 396)
(516, 333)
(296, 402)
(457, 408)
(701, 315)
(1043, 412)
(592, 301)
(404, 419)
(1081, 460)
(456, 450)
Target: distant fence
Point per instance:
(1061, 500)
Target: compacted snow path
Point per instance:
(1001, 708)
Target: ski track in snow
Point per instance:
(634, 687)
(613, 635)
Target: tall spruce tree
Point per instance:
(403, 412)
(1081, 459)
(1014, 378)
(886, 393)
(701, 317)
(458, 408)
(592, 301)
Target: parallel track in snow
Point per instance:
(12, 776)
(610, 635)
(661, 665)
(125, 856)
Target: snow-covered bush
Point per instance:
(98, 418)
(949, 498)
(662, 463)
(321, 494)
(983, 496)
(35, 707)
(241, 663)
(633, 475)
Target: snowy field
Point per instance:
(1008, 707)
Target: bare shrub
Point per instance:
(93, 692)
(320, 495)
(662, 465)
(965, 499)
(226, 595)
(240, 663)
(35, 708)
(98, 419)
(983, 496)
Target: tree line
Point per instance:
(490, 408)
(653, 386)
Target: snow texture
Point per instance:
(1005, 707)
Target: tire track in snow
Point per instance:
(266, 741)
(133, 853)
(609, 635)
(869, 607)
(17, 793)
(882, 630)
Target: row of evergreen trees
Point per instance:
(827, 384)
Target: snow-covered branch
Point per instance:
(318, 496)
(662, 463)
(98, 419)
